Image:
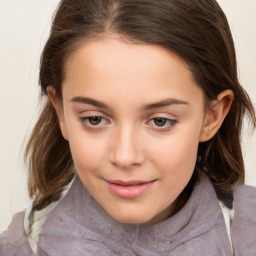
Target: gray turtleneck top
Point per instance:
(78, 226)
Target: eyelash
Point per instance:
(86, 121)
(168, 123)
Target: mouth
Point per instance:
(130, 189)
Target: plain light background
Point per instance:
(24, 27)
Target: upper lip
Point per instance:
(129, 183)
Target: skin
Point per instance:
(131, 137)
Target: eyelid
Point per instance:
(84, 119)
(171, 122)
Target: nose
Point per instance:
(127, 149)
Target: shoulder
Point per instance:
(14, 232)
(244, 221)
(245, 198)
(14, 240)
(245, 203)
(244, 189)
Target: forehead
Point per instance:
(111, 52)
(110, 66)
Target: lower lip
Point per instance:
(129, 192)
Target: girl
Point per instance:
(137, 149)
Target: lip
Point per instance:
(129, 189)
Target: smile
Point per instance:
(129, 190)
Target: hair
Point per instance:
(196, 31)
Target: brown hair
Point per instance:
(197, 31)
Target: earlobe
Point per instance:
(58, 108)
(216, 114)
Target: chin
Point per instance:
(132, 218)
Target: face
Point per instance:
(134, 118)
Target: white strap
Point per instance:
(228, 215)
(34, 220)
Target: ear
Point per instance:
(216, 114)
(58, 108)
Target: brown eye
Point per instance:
(160, 121)
(95, 120)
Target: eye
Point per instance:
(159, 121)
(94, 121)
(162, 122)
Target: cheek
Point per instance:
(87, 151)
(177, 152)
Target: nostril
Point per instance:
(126, 150)
(126, 161)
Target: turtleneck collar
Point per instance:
(79, 217)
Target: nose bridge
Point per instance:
(126, 148)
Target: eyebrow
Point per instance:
(165, 103)
(89, 101)
(99, 104)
